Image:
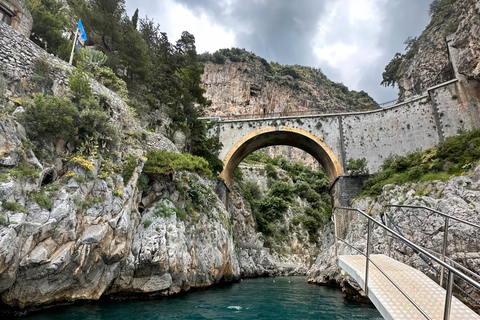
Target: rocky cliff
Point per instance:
(448, 48)
(251, 87)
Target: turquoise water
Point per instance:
(262, 298)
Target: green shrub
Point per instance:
(36, 78)
(147, 223)
(164, 162)
(301, 188)
(23, 170)
(142, 182)
(42, 68)
(182, 215)
(93, 120)
(79, 83)
(414, 172)
(86, 204)
(312, 197)
(282, 190)
(13, 206)
(161, 210)
(50, 116)
(3, 220)
(129, 168)
(453, 156)
(43, 200)
(298, 219)
(312, 225)
(272, 208)
(201, 196)
(357, 167)
(271, 172)
(237, 175)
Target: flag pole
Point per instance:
(73, 47)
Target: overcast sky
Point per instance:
(350, 40)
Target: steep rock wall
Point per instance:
(431, 61)
(244, 88)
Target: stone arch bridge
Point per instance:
(332, 139)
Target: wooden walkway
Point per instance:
(426, 293)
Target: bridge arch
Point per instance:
(281, 135)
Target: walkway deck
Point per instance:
(390, 302)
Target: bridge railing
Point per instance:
(452, 272)
(251, 116)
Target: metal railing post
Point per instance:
(448, 297)
(367, 262)
(444, 250)
(336, 232)
(387, 235)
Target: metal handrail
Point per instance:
(445, 234)
(473, 274)
(451, 270)
(435, 211)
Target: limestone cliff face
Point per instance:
(459, 197)
(247, 88)
(431, 61)
(94, 240)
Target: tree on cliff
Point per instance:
(49, 22)
(390, 75)
(174, 80)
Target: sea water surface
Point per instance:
(261, 298)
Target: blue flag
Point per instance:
(82, 31)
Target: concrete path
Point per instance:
(390, 302)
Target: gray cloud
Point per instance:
(402, 18)
(279, 30)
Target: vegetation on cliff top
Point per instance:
(296, 77)
(452, 157)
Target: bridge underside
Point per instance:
(282, 136)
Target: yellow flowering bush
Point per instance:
(118, 193)
(106, 169)
(69, 174)
(16, 101)
(87, 164)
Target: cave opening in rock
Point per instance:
(141, 207)
(48, 177)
